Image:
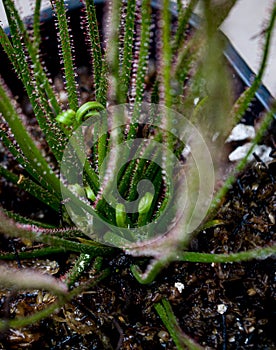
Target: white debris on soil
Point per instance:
(221, 308)
(179, 286)
(240, 152)
(241, 132)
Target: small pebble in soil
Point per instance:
(164, 336)
(221, 308)
(240, 152)
(179, 286)
(241, 132)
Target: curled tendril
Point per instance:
(67, 118)
(87, 110)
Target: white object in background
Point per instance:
(243, 27)
(26, 8)
(221, 308)
(240, 152)
(241, 132)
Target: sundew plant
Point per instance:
(137, 165)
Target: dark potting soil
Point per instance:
(119, 312)
(221, 306)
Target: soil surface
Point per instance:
(222, 306)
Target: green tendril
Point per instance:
(121, 215)
(66, 118)
(144, 208)
(87, 110)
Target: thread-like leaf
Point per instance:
(34, 254)
(21, 159)
(35, 82)
(36, 26)
(31, 319)
(166, 60)
(220, 10)
(42, 82)
(23, 220)
(112, 52)
(9, 50)
(258, 253)
(95, 44)
(127, 50)
(30, 279)
(31, 187)
(142, 61)
(102, 93)
(183, 22)
(79, 267)
(26, 143)
(65, 40)
(9, 227)
(187, 57)
(181, 340)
